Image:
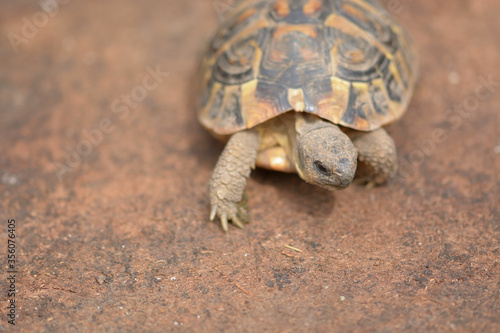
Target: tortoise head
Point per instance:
(325, 156)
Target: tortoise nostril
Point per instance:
(345, 172)
(345, 166)
(344, 163)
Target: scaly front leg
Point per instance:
(229, 178)
(378, 161)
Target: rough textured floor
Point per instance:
(120, 241)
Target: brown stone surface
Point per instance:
(121, 241)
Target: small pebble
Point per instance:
(100, 279)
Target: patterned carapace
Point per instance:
(346, 61)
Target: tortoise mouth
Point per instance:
(329, 185)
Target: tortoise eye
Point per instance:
(321, 168)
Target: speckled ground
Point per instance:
(109, 192)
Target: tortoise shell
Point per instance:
(345, 61)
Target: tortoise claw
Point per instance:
(370, 185)
(237, 222)
(223, 220)
(235, 213)
(213, 212)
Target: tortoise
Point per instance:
(304, 86)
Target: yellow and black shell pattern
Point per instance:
(345, 61)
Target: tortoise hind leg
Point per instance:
(377, 157)
(227, 185)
